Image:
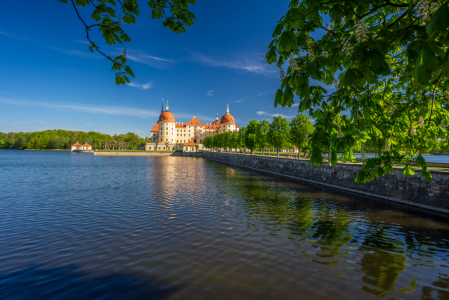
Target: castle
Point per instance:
(167, 134)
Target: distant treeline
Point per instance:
(61, 139)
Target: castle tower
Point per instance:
(166, 127)
(227, 122)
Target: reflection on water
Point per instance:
(78, 226)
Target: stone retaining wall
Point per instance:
(98, 153)
(413, 190)
(80, 151)
(192, 154)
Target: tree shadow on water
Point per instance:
(39, 282)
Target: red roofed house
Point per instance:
(78, 146)
(189, 147)
(167, 134)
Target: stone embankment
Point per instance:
(112, 153)
(414, 190)
(146, 153)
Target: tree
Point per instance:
(242, 134)
(208, 142)
(389, 67)
(279, 133)
(196, 148)
(104, 14)
(300, 129)
(235, 142)
(262, 136)
(251, 135)
(218, 141)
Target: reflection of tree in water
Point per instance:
(277, 208)
(442, 292)
(424, 248)
(333, 232)
(274, 206)
(382, 262)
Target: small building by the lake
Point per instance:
(77, 146)
(189, 147)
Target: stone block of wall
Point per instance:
(192, 154)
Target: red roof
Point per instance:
(87, 145)
(180, 125)
(195, 121)
(237, 126)
(216, 122)
(212, 126)
(76, 144)
(227, 119)
(155, 128)
(190, 143)
(166, 116)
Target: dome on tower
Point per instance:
(166, 116)
(227, 118)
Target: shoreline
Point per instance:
(411, 190)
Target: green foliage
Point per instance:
(300, 130)
(208, 142)
(251, 135)
(279, 133)
(176, 13)
(389, 64)
(61, 139)
(263, 134)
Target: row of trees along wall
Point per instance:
(280, 134)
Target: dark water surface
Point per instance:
(75, 226)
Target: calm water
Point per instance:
(75, 226)
(428, 158)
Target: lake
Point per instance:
(427, 157)
(78, 226)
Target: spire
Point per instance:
(166, 107)
(227, 110)
(216, 118)
(162, 110)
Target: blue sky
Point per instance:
(50, 80)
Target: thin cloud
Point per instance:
(261, 113)
(125, 111)
(145, 86)
(15, 36)
(82, 42)
(284, 116)
(249, 97)
(146, 59)
(254, 63)
(295, 104)
(76, 52)
(113, 110)
(210, 93)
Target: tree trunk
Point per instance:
(278, 152)
(329, 156)
(252, 151)
(379, 149)
(299, 152)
